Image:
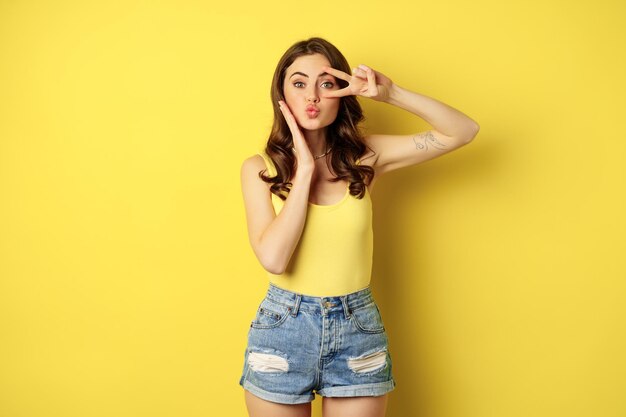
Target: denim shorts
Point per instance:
(300, 344)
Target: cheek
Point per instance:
(289, 96)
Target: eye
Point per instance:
(297, 82)
(328, 82)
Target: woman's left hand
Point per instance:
(365, 82)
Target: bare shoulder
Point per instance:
(254, 189)
(253, 161)
(250, 168)
(257, 199)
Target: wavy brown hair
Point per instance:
(343, 135)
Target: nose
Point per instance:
(313, 96)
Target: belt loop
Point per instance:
(296, 305)
(346, 309)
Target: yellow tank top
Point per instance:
(334, 254)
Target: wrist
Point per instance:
(303, 175)
(395, 92)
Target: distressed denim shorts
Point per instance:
(300, 344)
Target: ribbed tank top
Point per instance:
(334, 254)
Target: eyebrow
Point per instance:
(301, 73)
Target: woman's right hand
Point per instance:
(304, 157)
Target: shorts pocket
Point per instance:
(367, 319)
(270, 315)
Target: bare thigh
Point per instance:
(354, 406)
(258, 407)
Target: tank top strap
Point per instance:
(271, 169)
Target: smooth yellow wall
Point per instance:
(127, 282)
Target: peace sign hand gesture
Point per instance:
(365, 82)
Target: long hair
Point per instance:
(343, 135)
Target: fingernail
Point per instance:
(363, 66)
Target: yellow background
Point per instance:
(127, 283)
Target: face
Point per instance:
(305, 83)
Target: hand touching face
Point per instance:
(364, 82)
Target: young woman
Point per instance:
(318, 328)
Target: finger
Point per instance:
(365, 68)
(338, 93)
(337, 73)
(284, 108)
(371, 81)
(287, 114)
(358, 72)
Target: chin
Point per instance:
(314, 124)
(313, 127)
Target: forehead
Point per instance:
(308, 64)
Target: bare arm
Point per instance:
(452, 128)
(273, 237)
(444, 118)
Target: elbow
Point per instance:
(267, 257)
(476, 128)
(274, 269)
(471, 134)
(272, 264)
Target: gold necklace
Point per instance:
(316, 157)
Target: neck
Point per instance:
(316, 139)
